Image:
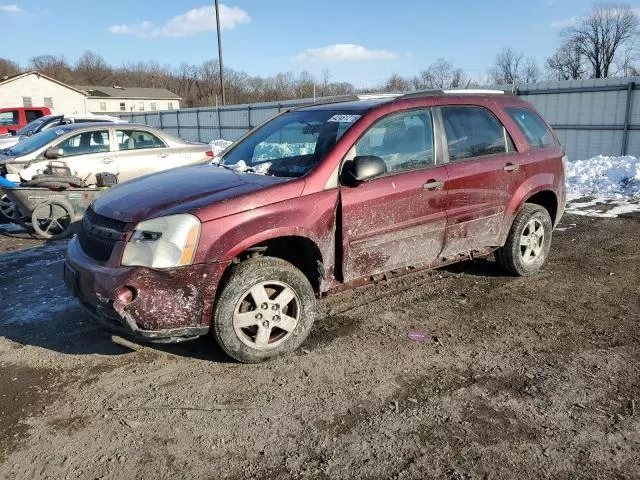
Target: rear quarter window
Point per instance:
(535, 130)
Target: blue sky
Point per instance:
(359, 41)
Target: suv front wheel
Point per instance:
(527, 247)
(265, 310)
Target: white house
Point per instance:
(129, 99)
(33, 89)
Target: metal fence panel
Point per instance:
(591, 117)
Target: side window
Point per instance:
(9, 118)
(137, 140)
(404, 141)
(85, 143)
(473, 132)
(32, 115)
(533, 127)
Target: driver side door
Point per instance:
(87, 153)
(398, 219)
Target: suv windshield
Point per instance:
(291, 145)
(37, 125)
(37, 141)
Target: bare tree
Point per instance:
(530, 73)
(506, 68)
(396, 83)
(92, 69)
(567, 63)
(440, 74)
(600, 36)
(8, 68)
(53, 66)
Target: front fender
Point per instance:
(310, 216)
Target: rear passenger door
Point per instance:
(141, 152)
(397, 219)
(483, 173)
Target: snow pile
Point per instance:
(612, 185)
(241, 166)
(218, 146)
(269, 151)
(605, 177)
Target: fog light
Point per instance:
(126, 294)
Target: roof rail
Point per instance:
(474, 91)
(378, 96)
(467, 91)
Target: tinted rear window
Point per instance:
(472, 132)
(533, 127)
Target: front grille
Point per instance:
(98, 235)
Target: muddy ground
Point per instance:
(522, 378)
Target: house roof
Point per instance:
(128, 92)
(13, 78)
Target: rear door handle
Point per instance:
(511, 167)
(431, 184)
(107, 160)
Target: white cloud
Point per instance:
(195, 21)
(569, 22)
(10, 9)
(342, 52)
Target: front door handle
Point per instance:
(163, 155)
(511, 167)
(431, 184)
(107, 160)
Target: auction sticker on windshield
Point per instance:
(344, 118)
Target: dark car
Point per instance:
(315, 200)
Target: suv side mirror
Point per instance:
(53, 153)
(365, 167)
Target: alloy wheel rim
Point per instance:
(532, 241)
(266, 315)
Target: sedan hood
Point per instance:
(180, 190)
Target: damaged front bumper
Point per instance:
(168, 306)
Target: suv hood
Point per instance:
(181, 190)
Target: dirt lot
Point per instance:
(522, 378)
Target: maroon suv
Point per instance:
(316, 199)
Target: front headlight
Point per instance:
(163, 242)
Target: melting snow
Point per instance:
(611, 183)
(218, 146)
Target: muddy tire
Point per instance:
(265, 310)
(527, 247)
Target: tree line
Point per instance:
(600, 44)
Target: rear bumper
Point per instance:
(169, 306)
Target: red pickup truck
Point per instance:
(14, 118)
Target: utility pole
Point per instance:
(220, 52)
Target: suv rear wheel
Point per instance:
(265, 310)
(527, 246)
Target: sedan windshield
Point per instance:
(37, 141)
(291, 145)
